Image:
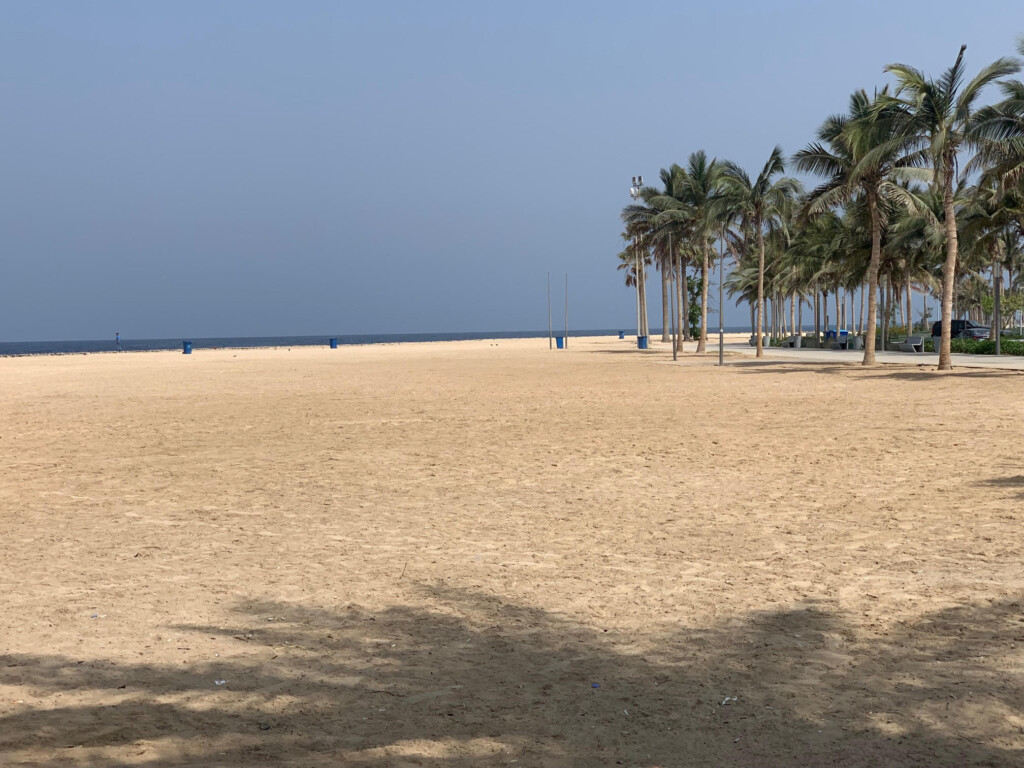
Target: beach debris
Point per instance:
(264, 726)
(94, 616)
(727, 700)
(219, 682)
(595, 685)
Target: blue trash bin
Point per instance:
(186, 347)
(333, 343)
(622, 334)
(560, 342)
(641, 342)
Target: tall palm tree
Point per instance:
(673, 225)
(644, 221)
(763, 203)
(940, 117)
(698, 186)
(861, 154)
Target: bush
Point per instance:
(986, 346)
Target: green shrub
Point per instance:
(986, 346)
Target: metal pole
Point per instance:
(566, 310)
(549, 310)
(672, 301)
(721, 304)
(634, 192)
(636, 280)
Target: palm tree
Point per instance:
(698, 187)
(762, 203)
(860, 154)
(673, 227)
(940, 118)
(642, 224)
(630, 256)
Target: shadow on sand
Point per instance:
(1015, 482)
(463, 680)
(894, 371)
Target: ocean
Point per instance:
(9, 348)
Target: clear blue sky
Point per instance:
(264, 168)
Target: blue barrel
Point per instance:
(186, 347)
(333, 343)
(560, 342)
(622, 334)
(641, 342)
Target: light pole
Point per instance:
(634, 192)
(549, 310)
(721, 303)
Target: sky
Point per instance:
(262, 168)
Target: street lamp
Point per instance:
(634, 192)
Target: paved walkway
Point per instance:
(1004, 362)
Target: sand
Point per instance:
(485, 553)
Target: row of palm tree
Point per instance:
(922, 190)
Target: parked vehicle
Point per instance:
(963, 329)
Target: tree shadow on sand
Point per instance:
(462, 679)
(1013, 482)
(926, 372)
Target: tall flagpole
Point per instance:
(566, 310)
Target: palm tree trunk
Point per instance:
(760, 287)
(876, 259)
(686, 302)
(824, 302)
(817, 320)
(904, 309)
(792, 314)
(664, 303)
(885, 309)
(949, 268)
(997, 273)
(753, 323)
(800, 316)
(679, 300)
(909, 308)
(997, 321)
(860, 329)
(702, 342)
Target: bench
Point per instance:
(913, 344)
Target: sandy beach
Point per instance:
(485, 553)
